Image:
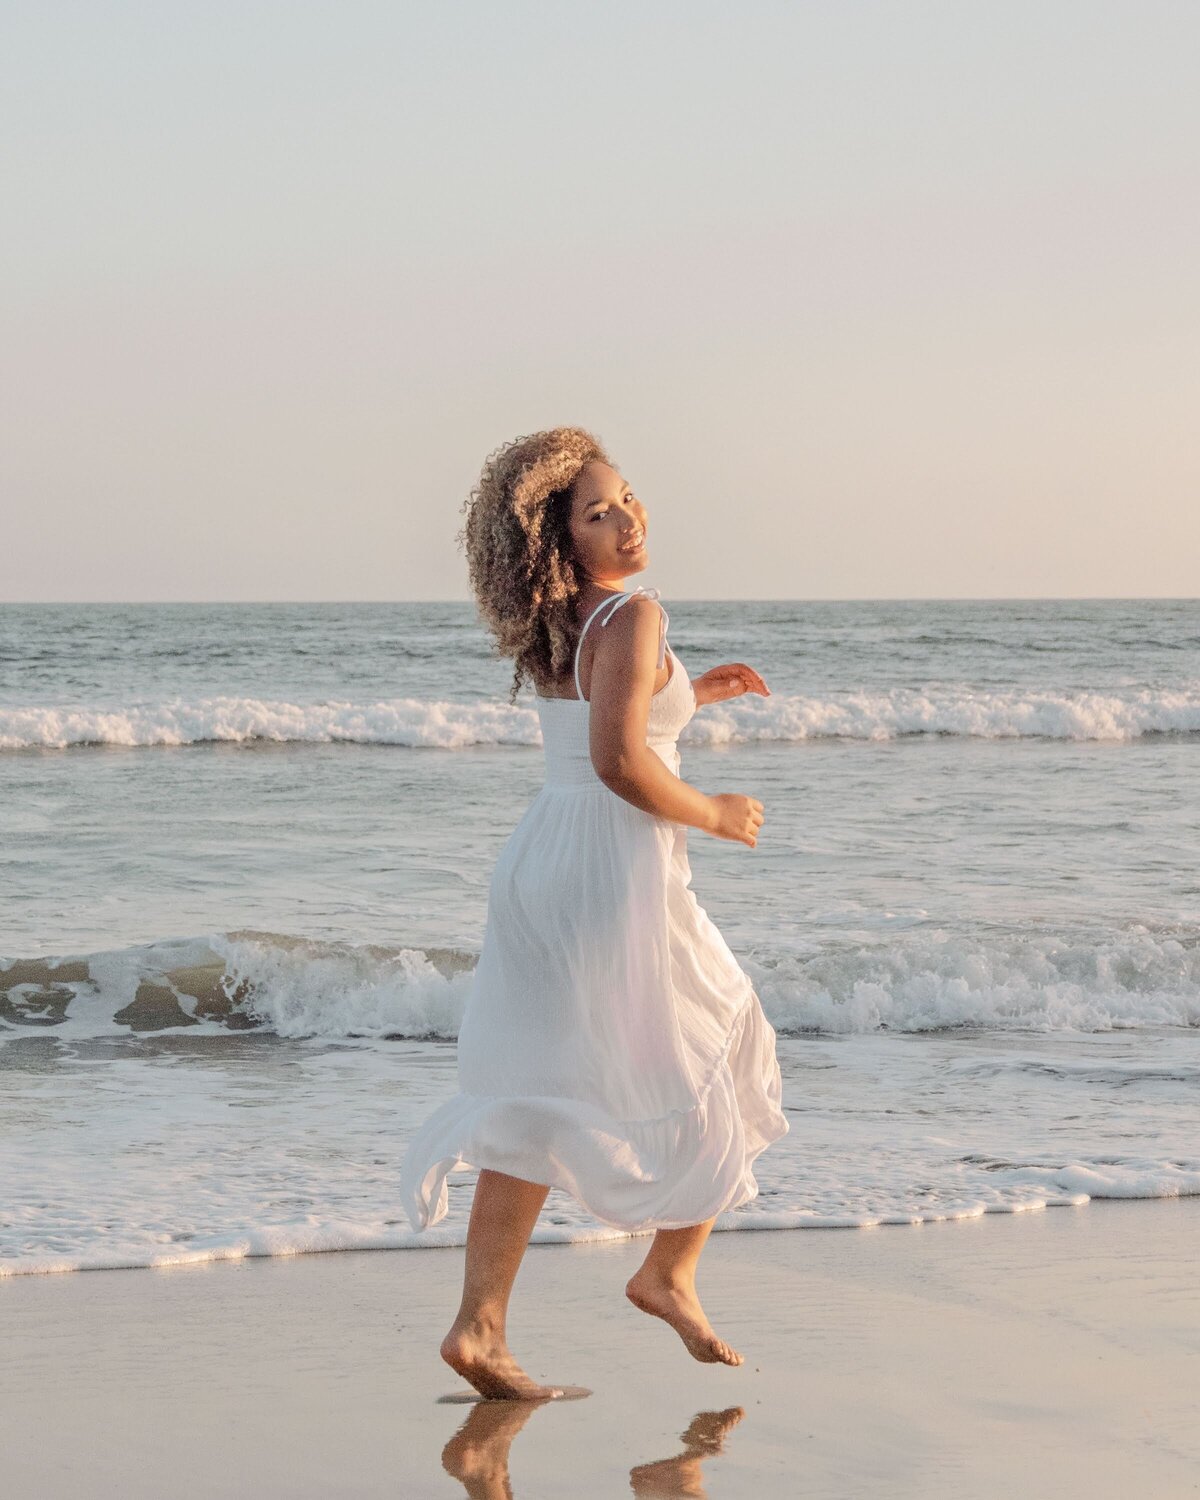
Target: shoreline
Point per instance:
(546, 1236)
(1042, 1350)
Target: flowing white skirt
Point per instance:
(611, 1044)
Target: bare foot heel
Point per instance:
(482, 1358)
(680, 1308)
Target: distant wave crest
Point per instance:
(396, 721)
(953, 711)
(444, 725)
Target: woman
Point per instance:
(611, 1045)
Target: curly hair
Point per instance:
(518, 546)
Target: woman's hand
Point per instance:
(736, 818)
(729, 681)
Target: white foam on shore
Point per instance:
(330, 1235)
(121, 1156)
(951, 710)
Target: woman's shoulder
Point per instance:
(639, 625)
(639, 607)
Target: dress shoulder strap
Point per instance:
(613, 605)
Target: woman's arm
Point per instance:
(642, 777)
(624, 666)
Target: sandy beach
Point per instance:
(1058, 1352)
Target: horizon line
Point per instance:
(676, 598)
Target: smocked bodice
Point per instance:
(565, 721)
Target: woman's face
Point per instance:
(608, 525)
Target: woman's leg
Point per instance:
(665, 1287)
(502, 1219)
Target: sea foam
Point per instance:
(441, 724)
(909, 980)
(139, 1155)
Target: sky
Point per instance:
(866, 300)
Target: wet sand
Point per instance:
(1056, 1352)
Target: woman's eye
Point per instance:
(600, 514)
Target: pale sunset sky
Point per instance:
(867, 300)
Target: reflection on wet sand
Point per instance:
(477, 1454)
(704, 1438)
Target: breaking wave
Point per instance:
(911, 981)
(444, 725)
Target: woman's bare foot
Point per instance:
(680, 1307)
(481, 1357)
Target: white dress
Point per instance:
(611, 1045)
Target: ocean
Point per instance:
(244, 858)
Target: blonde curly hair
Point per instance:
(519, 553)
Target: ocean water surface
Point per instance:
(244, 855)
